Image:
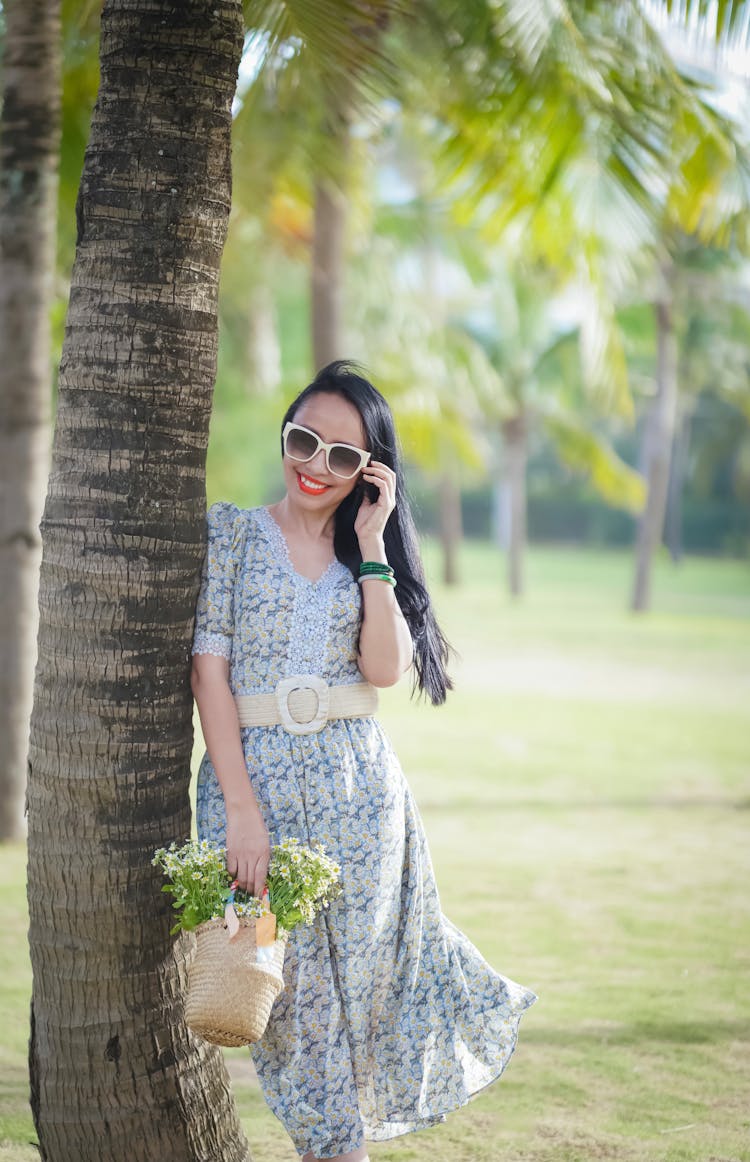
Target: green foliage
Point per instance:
(301, 881)
(336, 40)
(725, 22)
(584, 450)
(200, 883)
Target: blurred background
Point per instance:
(529, 221)
(506, 212)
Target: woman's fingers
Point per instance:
(259, 881)
(380, 472)
(385, 481)
(236, 869)
(248, 851)
(250, 872)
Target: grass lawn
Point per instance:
(585, 792)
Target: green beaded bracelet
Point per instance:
(378, 577)
(375, 567)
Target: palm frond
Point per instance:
(588, 453)
(724, 23)
(336, 44)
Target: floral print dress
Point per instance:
(390, 1017)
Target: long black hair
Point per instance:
(431, 649)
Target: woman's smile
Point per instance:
(310, 485)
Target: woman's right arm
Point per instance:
(248, 847)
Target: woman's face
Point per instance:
(334, 420)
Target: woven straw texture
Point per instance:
(229, 996)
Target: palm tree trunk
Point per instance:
(115, 1075)
(677, 478)
(451, 530)
(29, 155)
(329, 231)
(263, 349)
(658, 437)
(328, 252)
(515, 456)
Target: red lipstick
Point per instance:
(308, 489)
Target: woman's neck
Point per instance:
(310, 526)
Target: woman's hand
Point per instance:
(372, 516)
(385, 645)
(248, 849)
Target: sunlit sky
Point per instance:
(693, 46)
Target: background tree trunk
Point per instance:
(29, 156)
(329, 252)
(451, 528)
(115, 1076)
(658, 437)
(515, 457)
(329, 232)
(263, 345)
(677, 478)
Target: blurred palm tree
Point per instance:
(595, 158)
(401, 318)
(547, 125)
(463, 359)
(708, 313)
(298, 73)
(719, 217)
(29, 141)
(714, 320)
(536, 342)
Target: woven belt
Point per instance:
(304, 703)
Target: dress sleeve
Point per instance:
(214, 613)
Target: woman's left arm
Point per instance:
(385, 644)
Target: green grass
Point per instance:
(585, 792)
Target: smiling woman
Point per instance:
(390, 1018)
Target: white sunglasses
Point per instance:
(341, 459)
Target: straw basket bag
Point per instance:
(230, 994)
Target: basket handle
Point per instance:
(265, 925)
(230, 916)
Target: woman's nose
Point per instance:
(317, 466)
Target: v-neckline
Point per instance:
(284, 544)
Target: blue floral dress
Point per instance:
(390, 1017)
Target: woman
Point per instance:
(390, 1018)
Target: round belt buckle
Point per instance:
(303, 682)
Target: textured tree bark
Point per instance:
(451, 528)
(29, 155)
(658, 437)
(515, 456)
(115, 1075)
